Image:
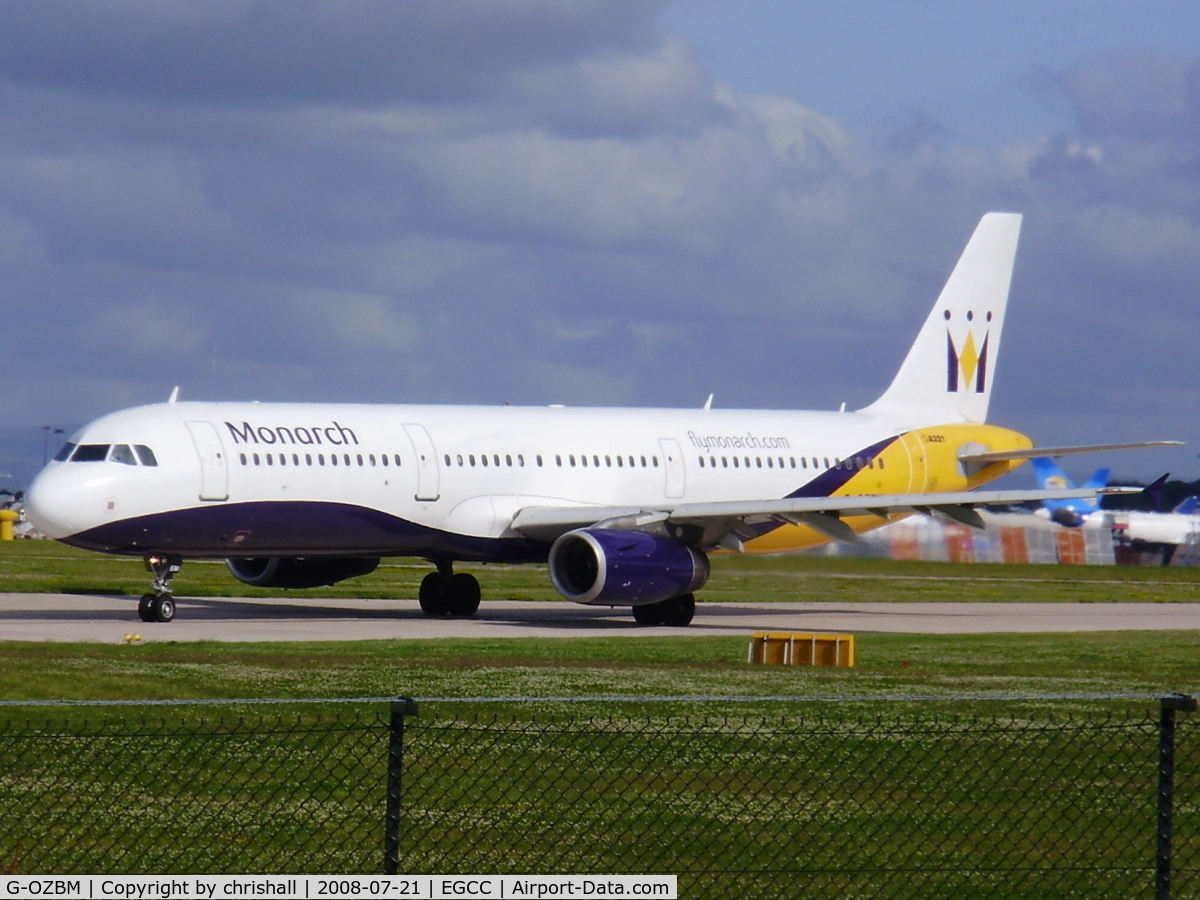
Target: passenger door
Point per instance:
(214, 474)
(428, 487)
(673, 463)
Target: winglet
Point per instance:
(174, 396)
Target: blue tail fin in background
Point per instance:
(1071, 513)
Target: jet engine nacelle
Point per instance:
(1064, 515)
(624, 568)
(299, 571)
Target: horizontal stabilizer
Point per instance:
(988, 456)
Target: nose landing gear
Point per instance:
(160, 605)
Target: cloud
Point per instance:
(545, 202)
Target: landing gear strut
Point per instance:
(160, 605)
(443, 593)
(674, 611)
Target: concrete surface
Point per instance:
(108, 619)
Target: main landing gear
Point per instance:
(443, 593)
(160, 605)
(674, 611)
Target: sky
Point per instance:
(609, 203)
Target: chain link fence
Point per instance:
(735, 805)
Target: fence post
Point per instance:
(401, 707)
(1168, 706)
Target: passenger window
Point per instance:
(346, 458)
(539, 460)
(65, 453)
(243, 458)
(90, 453)
(508, 460)
(397, 456)
(572, 460)
(496, 459)
(308, 459)
(123, 454)
(320, 459)
(520, 460)
(257, 461)
(333, 459)
(483, 459)
(583, 460)
(701, 459)
(447, 459)
(145, 454)
(295, 459)
(471, 459)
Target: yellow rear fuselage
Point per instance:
(925, 460)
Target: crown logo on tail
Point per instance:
(966, 370)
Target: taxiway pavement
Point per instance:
(109, 619)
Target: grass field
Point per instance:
(852, 791)
(44, 566)
(999, 666)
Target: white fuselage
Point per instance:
(421, 477)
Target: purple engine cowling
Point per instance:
(624, 568)
(299, 572)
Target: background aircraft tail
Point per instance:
(1187, 507)
(1066, 512)
(948, 373)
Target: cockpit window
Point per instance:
(146, 455)
(90, 453)
(65, 453)
(123, 454)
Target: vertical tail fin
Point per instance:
(1066, 512)
(948, 373)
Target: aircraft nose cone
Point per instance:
(53, 504)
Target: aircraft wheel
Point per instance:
(648, 614)
(163, 608)
(462, 595)
(146, 607)
(433, 595)
(678, 611)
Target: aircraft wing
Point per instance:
(728, 523)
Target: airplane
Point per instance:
(1071, 513)
(623, 505)
(1164, 531)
